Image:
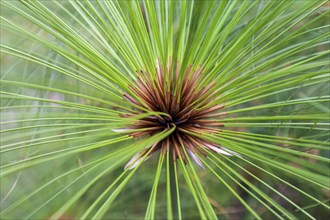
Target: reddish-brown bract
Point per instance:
(189, 107)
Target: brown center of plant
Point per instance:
(188, 105)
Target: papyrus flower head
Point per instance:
(188, 105)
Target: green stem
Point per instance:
(173, 186)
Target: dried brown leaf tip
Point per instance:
(188, 105)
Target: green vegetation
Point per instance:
(67, 68)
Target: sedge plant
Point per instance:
(164, 109)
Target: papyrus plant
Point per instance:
(164, 109)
